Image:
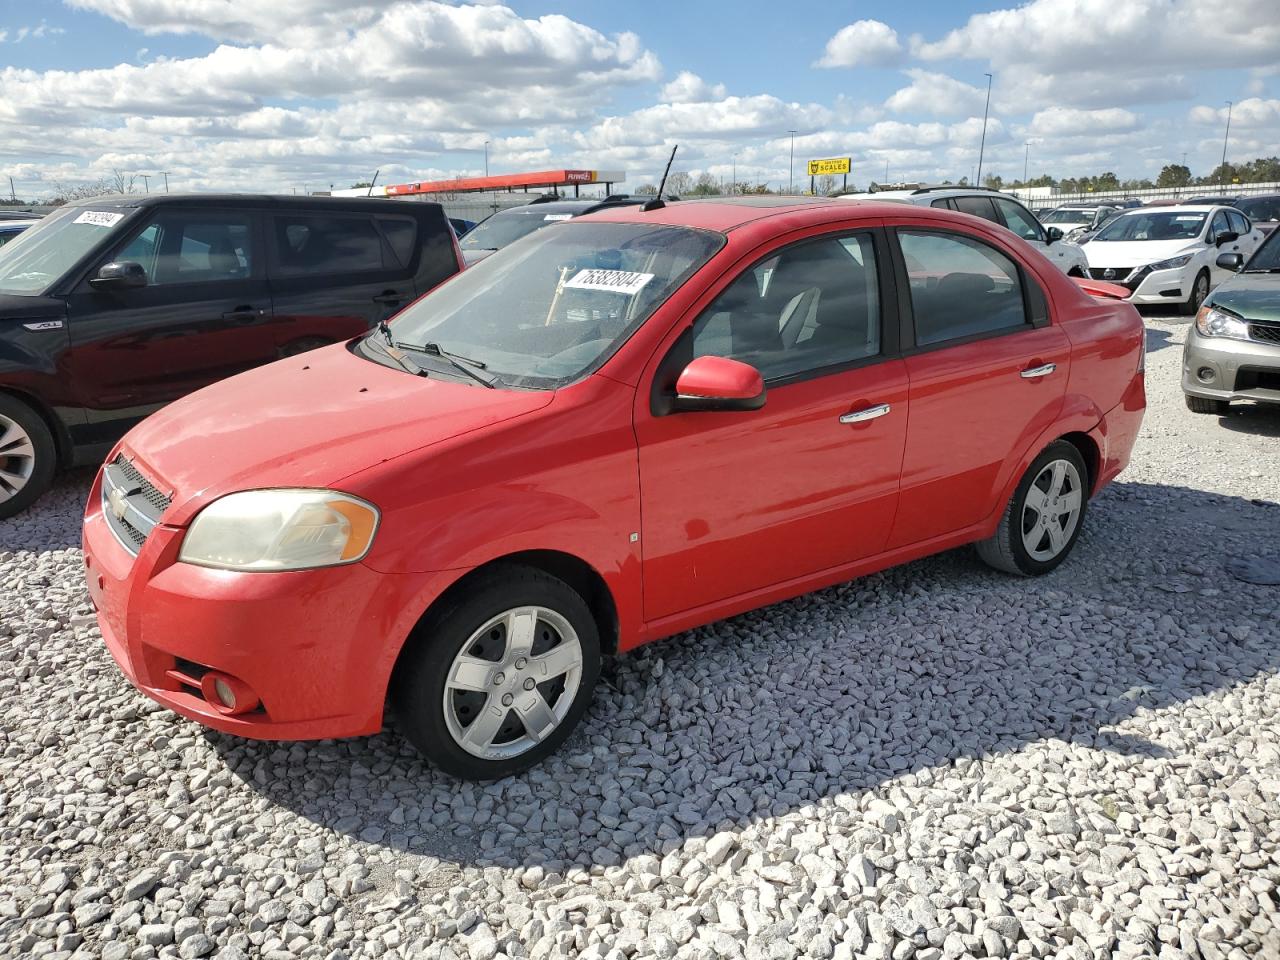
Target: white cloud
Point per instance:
(688, 87)
(936, 94)
(1254, 112)
(863, 43)
(1071, 122)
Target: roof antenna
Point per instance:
(657, 203)
(372, 182)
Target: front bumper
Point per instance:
(315, 646)
(1161, 286)
(1220, 368)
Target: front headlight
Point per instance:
(280, 530)
(1212, 322)
(1172, 263)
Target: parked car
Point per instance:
(10, 228)
(1170, 255)
(461, 226)
(1079, 222)
(507, 226)
(1232, 351)
(112, 307)
(1209, 200)
(632, 424)
(1263, 211)
(998, 208)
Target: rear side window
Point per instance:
(960, 287)
(402, 234)
(1018, 220)
(324, 244)
(978, 206)
(191, 246)
(944, 204)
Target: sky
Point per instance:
(290, 95)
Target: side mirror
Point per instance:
(718, 383)
(1226, 236)
(1231, 261)
(1052, 234)
(120, 275)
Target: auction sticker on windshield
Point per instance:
(99, 218)
(558, 216)
(614, 281)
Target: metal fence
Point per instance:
(1156, 193)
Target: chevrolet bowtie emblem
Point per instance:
(115, 499)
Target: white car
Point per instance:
(1169, 254)
(998, 208)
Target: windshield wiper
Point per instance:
(457, 361)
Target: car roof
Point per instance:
(576, 205)
(17, 224)
(285, 201)
(724, 214)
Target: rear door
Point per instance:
(987, 370)
(333, 275)
(204, 314)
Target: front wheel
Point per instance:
(1199, 290)
(1043, 519)
(499, 678)
(1217, 408)
(27, 455)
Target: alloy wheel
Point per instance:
(512, 683)
(17, 458)
(1051, 510)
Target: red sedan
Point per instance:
(614, 430)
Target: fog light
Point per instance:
(1205, 375)
(226, 694)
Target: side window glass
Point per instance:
(978, 206)
(1018, 220)
(1219, 225)
(1238, 223)
(813, 305)
(402, 234)
(193, 247)
(960, 287)
(326, 244)
(944, 204)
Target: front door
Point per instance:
(204, 314)
(734, 502)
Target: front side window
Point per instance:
(1266, 258)
(542, 312)
(811, 306)
(1220, 225)
(960, 287)
(192, 246)
(978, 206)
(326, 244)
(42, 254)
(1019, 220)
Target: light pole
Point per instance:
(1224, 144)
(165, 174)
(146, 181)
(791, 175)
(486, 158)
(1026, 162)
(983, 144)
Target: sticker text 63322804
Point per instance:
(612, 281)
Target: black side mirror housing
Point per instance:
(1231, 261)
(1226, 237)
(1052, 234)
(120, 275)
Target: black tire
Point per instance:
(1199, 290)
(1216, 408)
(36, 469)
(1006, 551)
(418, 687)
(303, 345)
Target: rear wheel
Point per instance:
(27, 456)
(1199, 290)
(1217, 408)
(501, 676)
(1044, 516)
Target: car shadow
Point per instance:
(1140, 618)
(1262, 420)
(1159, 339)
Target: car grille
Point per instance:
(131, 504)
(1265, 332)
(1117, 273)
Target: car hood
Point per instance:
(307, 421)
(1133, 253)
(1255, 296)
(14, 307)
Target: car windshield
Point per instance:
(1261, 209)
(35, 259)
(1162, 225)
(544, 311)
(1267, 257)
(504, 228)
(1068, 216)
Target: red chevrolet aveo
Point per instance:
(625, 426)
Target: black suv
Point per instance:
(507, 226)
(114, 306)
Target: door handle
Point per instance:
(1035, 373)
(388, 297)
(243, 313)
(866, 413)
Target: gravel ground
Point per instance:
(937, 761)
